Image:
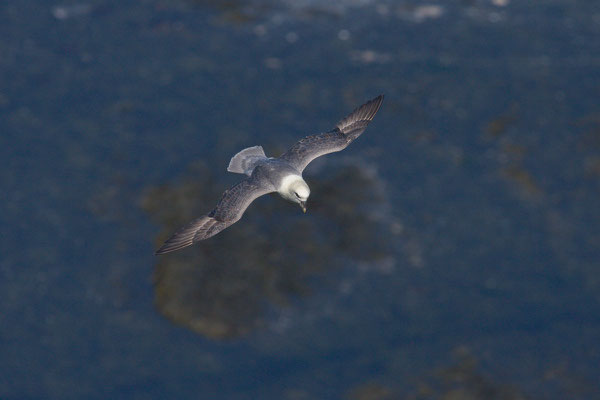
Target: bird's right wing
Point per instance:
(228, 211)
(348, 129)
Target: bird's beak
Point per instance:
(303, 206)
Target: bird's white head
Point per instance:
(294, 189)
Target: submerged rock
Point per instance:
(219, 288)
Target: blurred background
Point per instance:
(451, 252)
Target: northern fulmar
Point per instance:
(269, 174)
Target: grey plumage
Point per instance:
(344, 133)
(244, 161)
(266, 175)
(229, 210)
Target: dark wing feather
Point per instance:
(348, 129)
(228, 211)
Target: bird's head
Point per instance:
(295, 189)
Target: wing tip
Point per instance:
(365, 112)
(378, 98)
(200, 229)
(184, 237)
(170, 247)
(372, 106)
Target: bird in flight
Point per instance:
(269, 174)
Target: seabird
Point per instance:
(269, 174)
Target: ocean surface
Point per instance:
(451, 252)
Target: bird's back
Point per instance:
(273, 170)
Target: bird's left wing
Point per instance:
(228, 211)
(348, 129)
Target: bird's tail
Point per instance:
(244, 161)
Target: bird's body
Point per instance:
(267, 174)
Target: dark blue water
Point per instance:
(452, 250)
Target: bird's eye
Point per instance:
(297, 195)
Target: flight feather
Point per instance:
(228, 211)
(344, 133)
